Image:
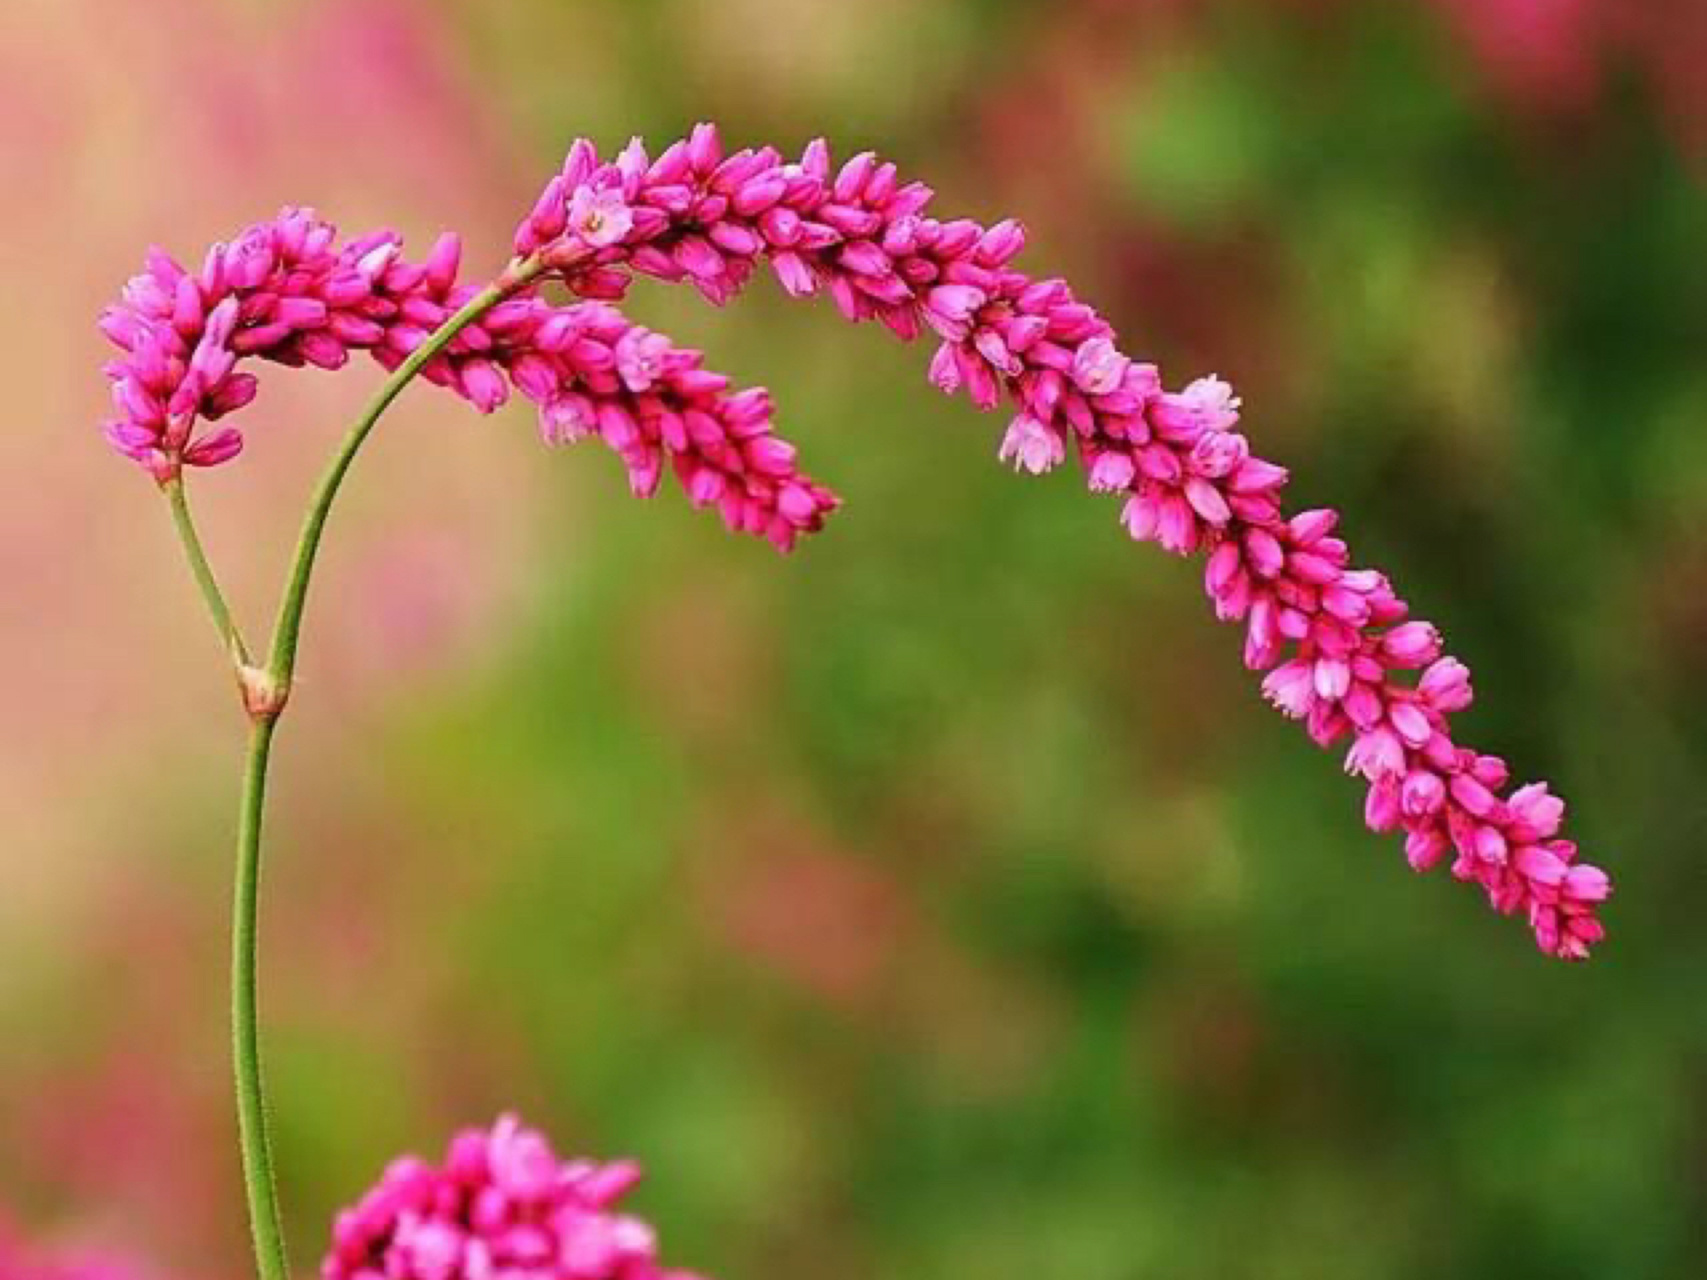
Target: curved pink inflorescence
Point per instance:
(287, 292)
(502, 1206)
(1337, 644)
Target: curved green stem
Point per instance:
(203, 570)
(253, 1137)
(265, 692)
(287, 632)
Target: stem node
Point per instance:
(264, 693)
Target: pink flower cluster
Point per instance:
(1337, 644)
(287, 292)
(1335, 639)
(501, 1207)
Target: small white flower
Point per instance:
(1031, 446)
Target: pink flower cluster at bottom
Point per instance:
(502, 1206)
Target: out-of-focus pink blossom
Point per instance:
(501, 1204)
(17, 1262)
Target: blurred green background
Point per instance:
(940, 901)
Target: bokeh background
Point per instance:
(940, 901)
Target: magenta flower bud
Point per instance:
(1540, 866)
(1207, 500)
(1475, 798)
(631, 163)
(377, 260)
(345, 289)
(1585, 883)
(1362, 704)
(230, 395)
(1000, 243)
(945, 369)
(994, 350)
(1308, 527)
(1422, 794)
(795, 276)
(484, 385)
(1425, 847)
(1410, 722)
(1264, 553)
(579, 163)
(322, 350)
(300, 313)
(1411, 644)
(954, 303)
(851, 179)
(1490, 845)
(1333, 678)
(704, 151)
(1537, 809)
(705, 486)
(865, 258)
(617, 426)
(443, 261)
(1446, 685)
(1257, 475)
(770, 456)
(1381, 806)
(211, 450)
(536, 377)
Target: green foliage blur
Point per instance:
(942, 900)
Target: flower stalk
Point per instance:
(196, 554)
(265, 691)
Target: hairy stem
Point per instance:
(179, 502)
(265, 693)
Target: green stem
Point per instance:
(265, 692)
(254, 1140)
(203, 570)
(287, 632)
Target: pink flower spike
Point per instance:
(1336, 642)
